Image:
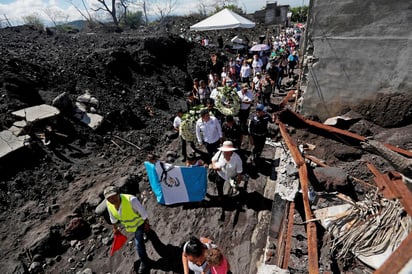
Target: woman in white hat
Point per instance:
(228, 165)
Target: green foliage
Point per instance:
(231, 7)
(134, 19)
(299, 14)
(33, 20)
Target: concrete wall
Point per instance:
(362, 48)
(272, 14)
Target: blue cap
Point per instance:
(260, 107)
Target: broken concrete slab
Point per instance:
(264, 269)
(37, 113)
(352, 116)
(87, 98)
(18, 127)
(90, 119)
(10, 142)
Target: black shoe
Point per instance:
(142, 268)
(145, 237)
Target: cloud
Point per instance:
(16, 10)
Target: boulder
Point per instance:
(331, 177)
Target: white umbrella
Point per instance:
(236, 40)
(259, 47)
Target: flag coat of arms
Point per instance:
(177, 184)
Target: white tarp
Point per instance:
(224, 19)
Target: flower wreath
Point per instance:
(187, 127)
(227, 101)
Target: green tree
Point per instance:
(299, 14)
(134, 19)
(231, 7)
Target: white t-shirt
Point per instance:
(257, 66)
(247, 97)
(213, 94)
(245, 71)
(177, 121)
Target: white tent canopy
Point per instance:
(224, 19)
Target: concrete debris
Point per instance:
(85, 108)
(10, 142)
(329, 215)
(36, 113)
(90, 119)
(347, 117)
(370, 229)
(18, 127)
(271, 269)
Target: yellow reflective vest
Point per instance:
(127, 217)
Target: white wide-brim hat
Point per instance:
(227, 146)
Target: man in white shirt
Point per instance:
(246, 99)
(213, 94)
(208, 132)
(176, 125)
(257, 86)
(257, 64)
(245, 72)
(228, 165)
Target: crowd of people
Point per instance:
(253, 80)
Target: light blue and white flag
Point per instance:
(177, 184)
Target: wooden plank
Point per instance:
(280, 249)
(342, 132)
(392, 187)
(304, 182)
(289, 232)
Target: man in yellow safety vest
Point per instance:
(127, 210)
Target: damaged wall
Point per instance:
(362, 48)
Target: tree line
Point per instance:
(133, 13)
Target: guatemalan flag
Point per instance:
(177, 184)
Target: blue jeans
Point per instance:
(140, 244)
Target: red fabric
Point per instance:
(220, 269)
(118, 241)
